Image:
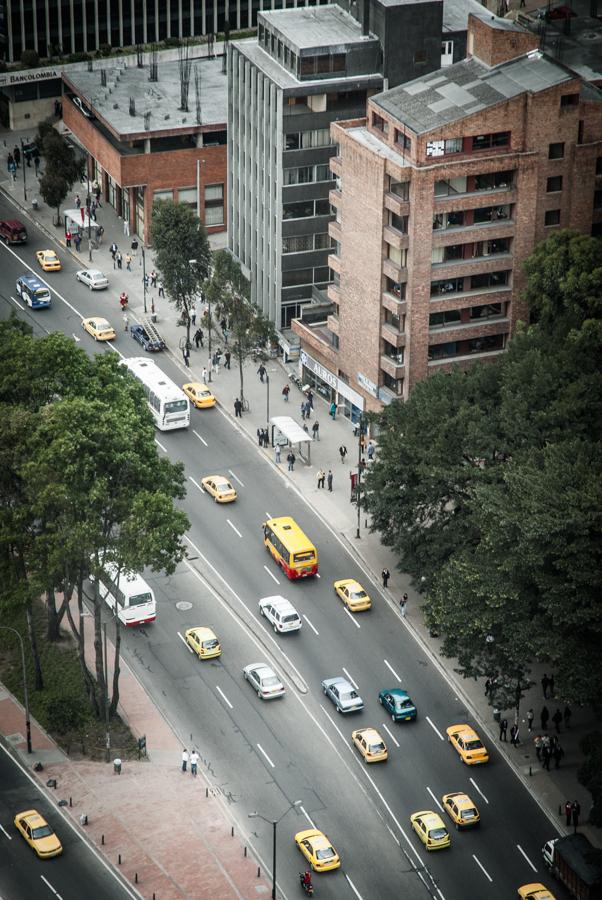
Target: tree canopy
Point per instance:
(489, 486)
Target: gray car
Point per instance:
(343, 694)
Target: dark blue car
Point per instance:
(140, 334)
(398, 704)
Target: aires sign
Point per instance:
(367, 384)
(330, 378)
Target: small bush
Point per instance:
(30, 59)
(79, 57)
(105, 49)
(65, 712)
(172, 42)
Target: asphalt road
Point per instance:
(78, 872)
(262, 755)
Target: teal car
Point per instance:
(398, 704)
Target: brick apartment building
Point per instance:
(142, 146)
(442, 192)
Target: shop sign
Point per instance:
(367, 384)
(9, 78)
(343, 389)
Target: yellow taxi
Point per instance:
(49, 260)
(352, 594)
(220, 488)
(100, 329)
(38, 833)
(370, 744)
(431, 830)
(467, 743)
(199, 394)
(203, 641)
(535, 891)
(317, 850)
(461, 810)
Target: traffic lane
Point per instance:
(262, 754)
(76, 872)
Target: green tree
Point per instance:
(54, 189)
(590, 774)
(229, 292)
(63, 167)
(182, 256)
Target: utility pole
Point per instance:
(25, 693)
(24, 178)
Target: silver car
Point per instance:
(343, 694)
(264, 680)
(93, 278)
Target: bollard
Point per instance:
(559, 809)
(70, 802)
(135, 877)
(206, 792)
(245, 851)
(530, 770)
(119, 860)
(258, 872)
(232, 831)
(102, 839)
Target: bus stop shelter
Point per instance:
(285, 432)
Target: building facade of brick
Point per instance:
(441, 194)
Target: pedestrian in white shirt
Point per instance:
(184, 759)
(194, 758)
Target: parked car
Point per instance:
(151, 344)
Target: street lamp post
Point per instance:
(274, 823)
(25, 694)
(267, 384)
(144, 278)
(24, 177)
(360, 446)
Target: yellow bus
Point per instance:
(292, 550)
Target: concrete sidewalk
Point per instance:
(551, 789)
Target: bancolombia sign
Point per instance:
(10, 78)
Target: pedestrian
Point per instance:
(306, 429)
(343, 452)
(403, 604)
(36, 162)
(291, 461)
(544, 716)
(260, 437)
(227, 358)
(217, 358)
(503, 729)
(78, 202)
(303, 410)
(329, 480)
(193, 316)
(310, 398)
(68, 236)
(82, 213)
(371, 451)
(277, 453)
(223, 325)
(10, 161)
(385, 575)
(545, 684)
(99, 233)
(184, 759)
(321, 478)
(113, 250)
(160, 287)
(557, 753)
(194, 759)
(315, 430)
(568, 811)
(333, 410)
(307, 409)
(557, 719)
(78, 240)
(153, 278)
(530, 717)
(545, 757)
(204, 375)
(187, 357)
(126, 322)
(198, 338)
(538, 745)
(123, 300)
(514, 738)
(567, 716)
(128, 262)
(576, 813)
(93, 210)
(261, 372)
(488, 684)
(119, 259)
(238, 408)
(285, 392)
(126, 227)
(97, 193)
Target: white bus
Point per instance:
(167, 402)
(128, 595)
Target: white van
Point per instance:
(129, 596)
(282, 614)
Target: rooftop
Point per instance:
(315, 27)
(467, 87)
(579, 47)
(160, 99)
(455, 14)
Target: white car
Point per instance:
(264, 680)
(94, 278)
(282, 614)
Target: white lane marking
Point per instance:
(235, 477)
(225, 699)
(259, 747)
(47, 883)
(185, 642)
(75, 337)
(234, 528)
(352, 617)
(202, 440)
(1, 828)
(434, 798)
(434, 727)
(393, 835)
(472, 781)
(350, 678)
(159, 444)
(197, 485)
(315, 630)
(308, 817)
(391, 735)
(482, 867)
(21, 306)
(518, 846)
(353, 887)
(391, 669)
(271, 575)
(318, 575)
(269, 515)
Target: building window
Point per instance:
(450, 186)
(298, 244)
(402, 140)
(552, 217)
(162, 195)
(447, 286)
(301, 210)
(599, 166)
(491, 248)
(394, 353)
(294, 277)
(553, 185)
(491, 214)
(491, 141)
(399, 223)
(443, 351)
(394, 321)
(395, 385)
(444, 319)
(556, 151)
(569, 100)
(597, 199)
(443, 221)
(292, 141)
(401, 189)
(486, 280)
(323, 241)
(493, 181)
(214, 204)
(397, 288)
(487, 311)
(188, 196)
(379, 123)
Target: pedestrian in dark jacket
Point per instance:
(545, 684)
(198, 338)
(514, 738)
(343, 452)
(315, 430)
(503, 729)
(544, 716)
(291, 458)
(568, 811)
(260, 437)
(227, 358)
(530, 717)
(545, 757)
(17, 156)
(238, 408)
(261, 372)
(329, 480)
(557, 719)
(385, 574)
(576, 813)
(538, 745)
(557, 753)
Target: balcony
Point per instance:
(393, 303)
(458, 300)
(317, 338)
(397, 204)
(396, 239)
(391, 366)
(334, 230)
(335, 197)
(393, 335)
(464, 331)
(333, 292)
(332, 323)
(393, 271)
(336, 165)
(453, 268)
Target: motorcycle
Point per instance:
(307, 886)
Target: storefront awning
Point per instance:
(293, 433)
(76, 217)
